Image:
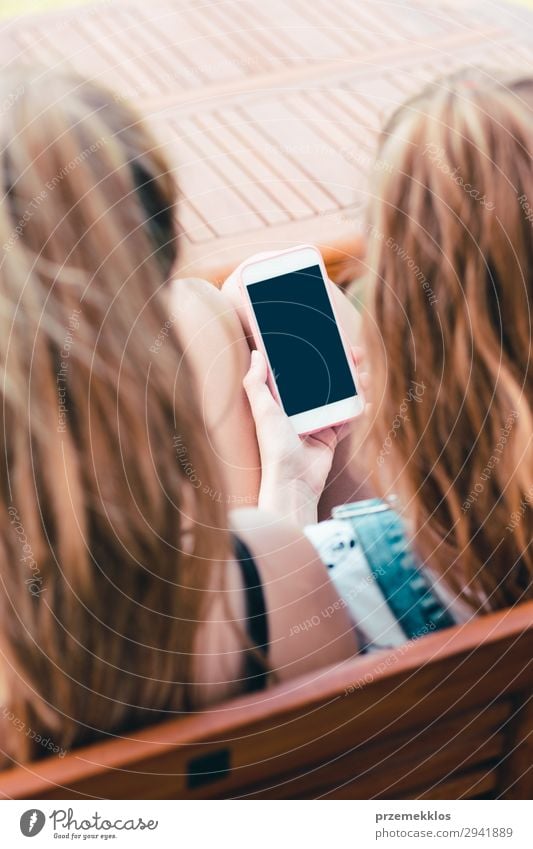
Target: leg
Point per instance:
(216, 347)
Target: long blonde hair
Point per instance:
(449, 329)
(109, 552)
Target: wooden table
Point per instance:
(269, 111)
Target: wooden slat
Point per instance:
(517, 769)
(479, 783)
(399, 783)
(396, 763)
(453, 672)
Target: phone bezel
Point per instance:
(275, 265)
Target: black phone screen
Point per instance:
(302, 340)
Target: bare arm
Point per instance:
(309, 624)
(216, 347)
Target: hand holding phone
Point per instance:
(293, 323)
(294, 467)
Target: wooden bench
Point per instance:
(447, 716)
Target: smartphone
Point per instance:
(292, 315)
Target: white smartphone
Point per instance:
(292, 315)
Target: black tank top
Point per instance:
(256, 618)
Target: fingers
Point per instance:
(257, 373)
(232, 289)
(259, 395)
(328, 437)
(343, 431)
(364, 380)
(358, 354)
(348, 317)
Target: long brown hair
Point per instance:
(109, 552)
(449, 329)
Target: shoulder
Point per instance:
(198, 306)
(209, 330)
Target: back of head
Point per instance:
(449, 329)
(100, 588)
